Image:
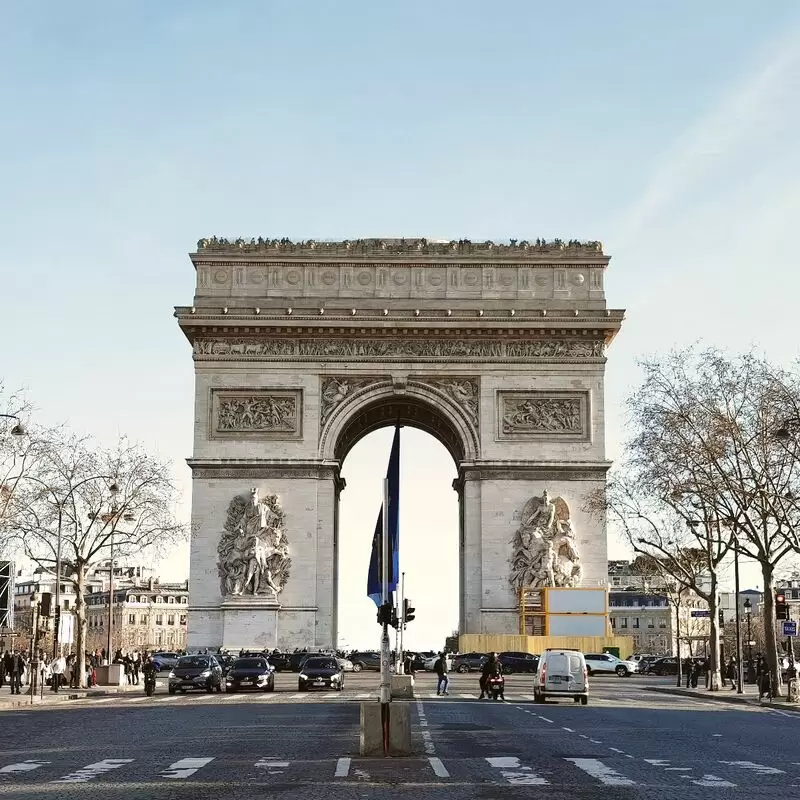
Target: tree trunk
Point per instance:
(80, 623)
(770, 633)
(714, 678)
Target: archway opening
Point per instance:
(429, 526)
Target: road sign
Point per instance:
(789, 627)
(701, 613)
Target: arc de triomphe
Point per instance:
(301, 349)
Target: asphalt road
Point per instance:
(628, 743)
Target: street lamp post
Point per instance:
(19, 429)
(739, 665)
(751, 672)
(114, 489)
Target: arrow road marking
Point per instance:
(91, 771)
(514, 773)
(342, 768)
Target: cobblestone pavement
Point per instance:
(628, 743)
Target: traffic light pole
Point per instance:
(386, 677)
(402, 620)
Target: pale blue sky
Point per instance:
(130, 130)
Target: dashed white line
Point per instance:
(430, 748)
(568, 730)
(24, 766)
(438, 768)
(759, 769)
(184, 768)
(91, 771)
(342, 768)
(545, 719)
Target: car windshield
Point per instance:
(320, 663)
(194, 661)
(250, 663)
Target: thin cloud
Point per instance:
(745, 117)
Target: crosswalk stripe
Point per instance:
(185, 767)
(515, 773)
(759, 769)
(330, 695)
(603, 773)
(300, 696)
(91, 771)
(24, 766)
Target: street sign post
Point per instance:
(789, 627)
(701, 613)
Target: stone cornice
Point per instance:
(534, 471)
(406, 249)
(262, 469)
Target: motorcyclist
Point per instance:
(149, 671)
(490, 669)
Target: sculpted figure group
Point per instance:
(253, 551)
(545, 552)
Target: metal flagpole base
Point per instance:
(386, 688)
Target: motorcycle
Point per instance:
(495, 686)
(150, 684)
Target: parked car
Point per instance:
(468, 662)
(518, 662)
(362, 661)
(225, 661)
(250, 673)
(165, 660)
(321, 672)
(429, 661)
(281, 661)
(196, 672)
(562, 673)
(346, 664)
(597, 663)
(668, 665)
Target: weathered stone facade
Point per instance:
(302, 349)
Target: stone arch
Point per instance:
(416, 405)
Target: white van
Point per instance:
(562, 673)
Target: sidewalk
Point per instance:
(725, 695)
(7, 700)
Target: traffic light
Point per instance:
(56, 623)
(394, 621)
(781, 606)
(46, 602)
(385, 614)
(408, 611)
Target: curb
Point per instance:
(722, 698)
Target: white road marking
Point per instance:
(342, 768)
(570, 730)
(603, 773)
(545, 719)
(759, 769)
(527, 697)
(272, 765)
(24, 766)
(467, 696)
(299, 696)
(138, 699)
(430, 748)
(91, 771)
(184, 768)
(514, 773)
(617, 750)
(438, 768)
(330, 695)
(361, 697)
(710, 780)
(595, 741)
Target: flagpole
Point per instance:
(401, 625)
(386, 680)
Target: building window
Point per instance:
(183, 620)
(171, 599)
(160, 638)
(131, 619)
(159, 620)
(635, 622)
(184, 599)
(623, 622)
(159, 599)
(662, 623)
(171, 619)
(142, 598)
(651, 622)
(144, 619)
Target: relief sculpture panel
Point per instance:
(336, 389)
(464, 391)
(261, 414)
(551, 415)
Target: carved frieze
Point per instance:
(335, 389)
(395, 348)
(464, 391)
(551, 415)
(260, 413)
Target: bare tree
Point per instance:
(17, 452)
(705, 448)
(669, 543)
(82, 501)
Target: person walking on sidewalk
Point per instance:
(731, 672)
(440, 668)
(58, 668)
(15, 666)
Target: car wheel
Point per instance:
(219, 687)
(589, 671)
(209, 687)
(230, 690)
(183, 691)
(357, 667)
(171, 690)
(462, 668)
(584, 701)
(623, 672)
(271, 686)
(507, 671)
(538, 697)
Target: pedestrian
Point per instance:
(15, 666)
(3, 668)
(687, 670)
(58, 668)
(440, 668)
(408, 664)
(137, 664)
(707, 671)
(695, 673)
(765, 682)
(731, 672)
(127, 663)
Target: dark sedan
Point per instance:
(196, 672)
(518, 662)
(363, 661)
(468, 662)
(250, 673)
(664, 666)
(321, 673)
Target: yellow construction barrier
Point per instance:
(486, 643)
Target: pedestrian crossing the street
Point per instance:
(498, 769)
